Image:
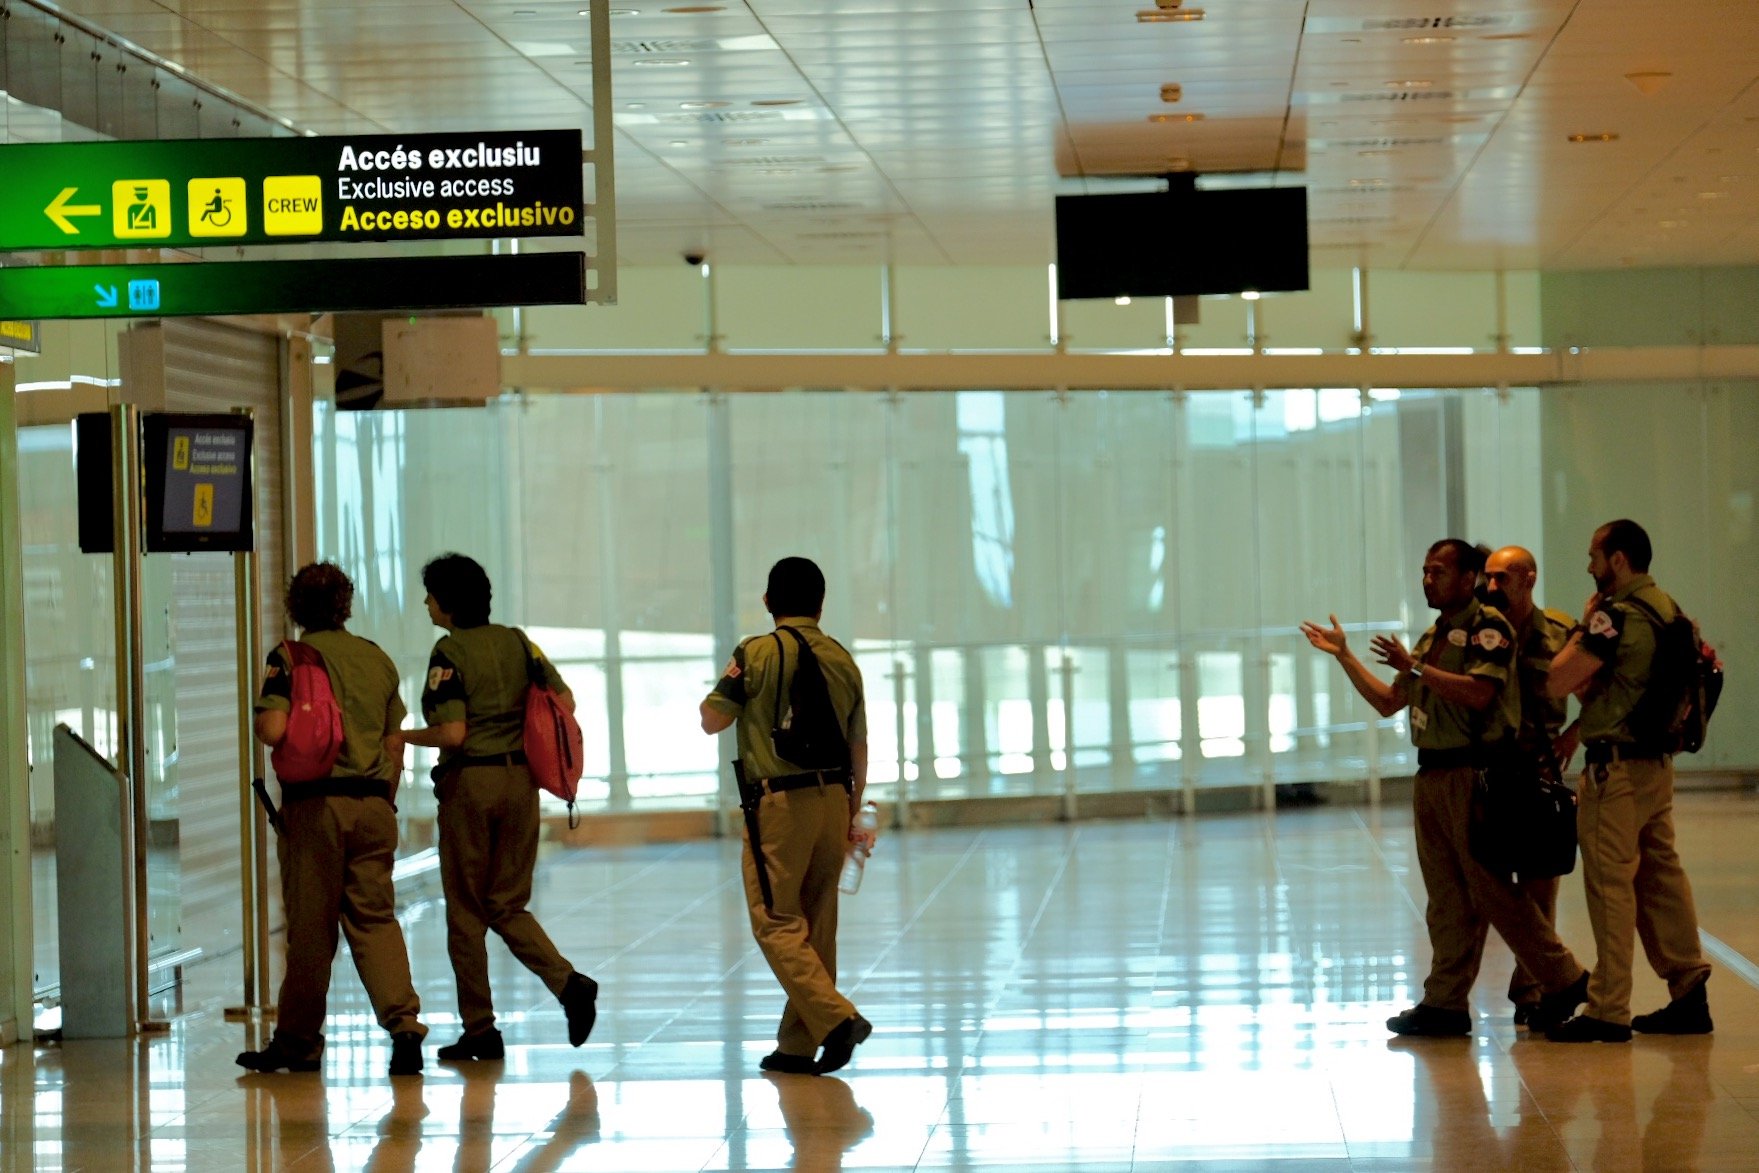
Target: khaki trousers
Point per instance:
(336, 854)
(488, 850)
(1524, 988)
(1635, 884)
(805, 837)
(1464, 898)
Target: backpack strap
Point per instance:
(781, 671)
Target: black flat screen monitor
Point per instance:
(198, 490)
(1161, 244)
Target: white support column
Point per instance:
(16, 928)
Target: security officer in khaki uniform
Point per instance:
(1459, 683)
(474, 703)
(799, 822)
(1509, 575)
(1630, 870)
(338, 837)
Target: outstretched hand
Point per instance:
(1389, 651)
(1330, 640)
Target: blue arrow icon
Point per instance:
(106, 296)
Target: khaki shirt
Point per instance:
(364, 681)
(1474, 641)
(1622, 637)
(748, 689)
(1543, 637)
(478, 675)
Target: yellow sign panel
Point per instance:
(217, 207)
(180, 454)
(204, 505)
(140, 209)
(293, 205)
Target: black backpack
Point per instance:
(806, 732)
(1685, 682)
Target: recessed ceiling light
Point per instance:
(746, 142)
(615, 11)
(524, 12)
(776, 102)
(1428, 40)
(681, 142)
(1605, 136)
(661, 62)
(1168, 16)
(1419, 84)
(635, 105)
(1120, 301)
(775, 171)
(703, 104)
(689, 9)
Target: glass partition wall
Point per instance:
(1047, 593)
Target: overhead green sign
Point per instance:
(283, 287)
(184, 193)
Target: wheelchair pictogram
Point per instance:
(218, 212)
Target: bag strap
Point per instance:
(781, 671)
(534, 672)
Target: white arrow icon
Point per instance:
(106, 296)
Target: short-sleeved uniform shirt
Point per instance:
(1539, 642)
(1474, 641)
(364, 681)
(478, 675)
(1622, 637)
(748, 689)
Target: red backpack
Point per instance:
(308, 751)
(554, 747)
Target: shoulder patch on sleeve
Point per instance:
(438, 676)
(1490, 639)
(733, 670)
(1600, 623)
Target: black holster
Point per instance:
(750, 794)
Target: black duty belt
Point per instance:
(1601, 753)
(336, 788)
(783, 782)
(1448, 759)
(461, 761)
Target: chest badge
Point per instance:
(1457, 637)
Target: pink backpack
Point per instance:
(313, 741)
(554, 747)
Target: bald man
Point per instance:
(1510, 575)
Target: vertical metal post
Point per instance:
(251, 838)
(602, 157)
(131, 748)
(618, 766)
(721, 584)
(900, 693)
(1066, 672)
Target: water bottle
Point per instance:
(867, 822)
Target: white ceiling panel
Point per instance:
(938, 131)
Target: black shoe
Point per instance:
(1524, 1011)
(406, 1053)
(274, 1058)
(1688, 1014)
(487, 1045)
(1431, 1022)
(786, 1064)
(1583, 1029)
(580, 1000)
(839, 1045)
(1555, 1008)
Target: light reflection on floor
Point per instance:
(1103, 996)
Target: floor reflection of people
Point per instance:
(1462, 1136)
(301, 1125)
(575, 1125)
(576, 1122)
(823, 1120)
(1673, 1138)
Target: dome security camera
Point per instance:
(694, 257)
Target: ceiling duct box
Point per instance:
(441, 361)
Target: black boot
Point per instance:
(1688, 1014)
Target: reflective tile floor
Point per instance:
(1204, 993)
